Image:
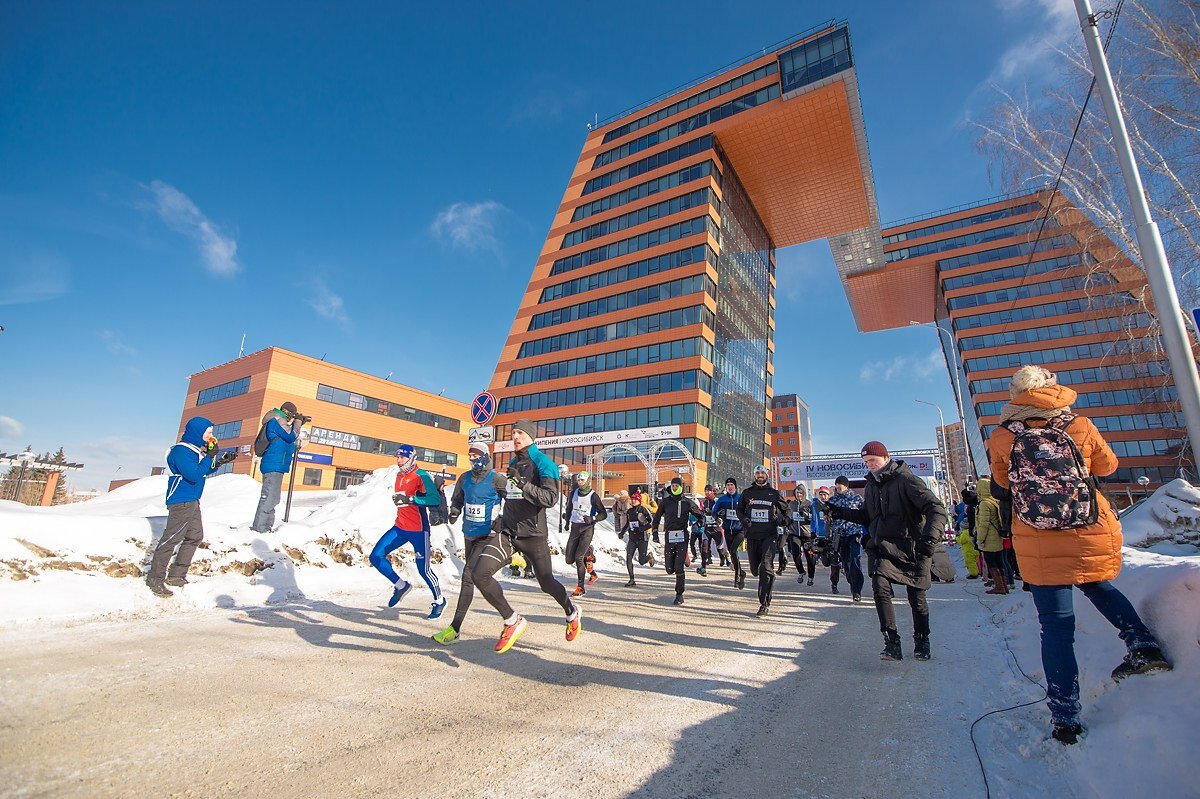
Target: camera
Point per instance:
(303, 419)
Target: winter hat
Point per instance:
(729, 480)
(842, 480)
(289, 407)
(709, 487)
(675, 481)
(824, 489)
(636, 496)
(480, 447)
(527, 427)
(874, 448)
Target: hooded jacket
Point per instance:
(846, 499)
(1061, 557)
(763, 511)
(281, 445)
(676, 509)
(525, 506)
(800, 518)
(987, 519)
(188, 464)
(904, 521)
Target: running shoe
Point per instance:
(703, 572)
(810, 581)
(762, 611)
(575, 626)
(800, 579)
(631, 584)
(447, 636)
(857, 597)
(435, 610)
(579, 591)
(833, 590)
(679, 599)
(650, 558)
(399, 594)
(510, 634)
(592, 578)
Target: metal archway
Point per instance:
(648, 454)
(596, 461)
(655, 454)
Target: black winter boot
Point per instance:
(1142, 660)
(1066, 733)
(921, 647)
(891, 646)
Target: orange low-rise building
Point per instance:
(358, 419)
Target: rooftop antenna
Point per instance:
(242, 347)
(389, 376)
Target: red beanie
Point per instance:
(874, 448)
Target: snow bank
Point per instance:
(1170, 514)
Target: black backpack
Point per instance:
(261, 442)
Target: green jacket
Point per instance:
(987, 519)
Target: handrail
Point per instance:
(831, 23)
(966, 206)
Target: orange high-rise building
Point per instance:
(650, 311)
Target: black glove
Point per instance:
(925, 547)
(212, 448)
(454, 514)
(497, 524)
(228, 457)
(834, 511)
(400, 498)
(656, 538)
(516, 477)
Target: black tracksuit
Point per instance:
(636, 531)
(676, 510)
(799, 533)
(763, 511)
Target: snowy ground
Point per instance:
(279, 672)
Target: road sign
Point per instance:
(484, 435)
(483, 407)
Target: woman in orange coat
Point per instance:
(1055, 560)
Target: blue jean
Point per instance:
(395, 538)
(1056, 613)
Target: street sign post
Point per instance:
(481, 435)
(483, 407)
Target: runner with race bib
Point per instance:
(676, 508)
(764, 515)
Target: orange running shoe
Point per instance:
(579, 591)
(592, 578)
(510, 634)
(575, 626)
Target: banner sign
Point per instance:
(852, 468)
(485, 435)
(600, 439)
(312, 457)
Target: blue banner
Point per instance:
(312, 457)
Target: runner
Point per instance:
(584, 510)
(849, 546)
(412, 527)
(725, 510)
(763, 512)
(711, 538)
(799, 533)
(478, 493)
(676, 507)
(824, 543)
(531, 488)
(638, 522)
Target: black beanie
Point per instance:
(289, 407)
(729, 480)
(842, 481)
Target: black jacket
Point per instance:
(904, 521)
(676, 509)
(800, 518)
(641, 517)
(525, 505)
(763, 511)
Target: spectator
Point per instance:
(282, 429)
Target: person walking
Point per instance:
(281, 429)
(764, 513)
(584, 510)
(799, 534)
(620, 509)
(674, 511)
(904, 520)
(636, 533)
(987, 535)
(726, 509)
(849, 536)
(477, 496)
(189, 463)
(710, 531)
(1064, 533)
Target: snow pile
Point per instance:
(1168, 522)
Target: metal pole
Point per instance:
(1154, 257)
(945, 460)
(20, 479)
(287, 511)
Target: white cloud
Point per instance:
(1055, 24)
(903, 366)
(115, 345)
(325, 302)
(33, 277)
(10, 428)
(469, 226)
(181, 214)
(114, 458)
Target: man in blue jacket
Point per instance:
(282, 427)
(190, 462)
(725, 509)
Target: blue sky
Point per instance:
(374, 182)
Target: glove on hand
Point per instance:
(228, 457)
(834, 511)
(211, 448)
(454, 514)
(400, 498)
(516, 477)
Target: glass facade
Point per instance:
(1095, 374)
(1099, 349)
(647, 189)
(1014, 272)
(227, 430)
(644, 165)
(958, 224)
(1049, 332)
(814, 60)
(1010, 251)
(606, 392)
(224, 391)
(653, 323)
(393, 409)
(652, 238)
(683, 202)
(1046, 311)
(1077, 283)
(621, 302)
(738, 431)
(620, 274)
(968, 239)
(652, 353)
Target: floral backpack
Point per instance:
(1050, 484)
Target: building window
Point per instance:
(227, 430)
(650, 162)
(644, 241)
(651, 353)
(647, 189)
(344, 478)
(641, 216)
(632, 271)
(680, 317)
(312, 477)
(1048, 332)
(977, 219)
(620, 302)
(376, 446)
(393, 409)
(814, 60)
(223, 391)
(604, 392)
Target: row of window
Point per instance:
(604, 392)
(393, 409)
(1100, 399)
(1156, 474)
(1148, 448)
(651, 238)
(620, 302)
(1139, 421)
(1014, 293)
(691, 102)
(641, 216)
(227, 431)
(966, 221)
(376, 446)
(223, 391)
(1015, 271)
(1091, 374)
(631, 271)
(651, 353)
(1050, 332)
(687, 125)
(690, 413)
(965, 240)
(653, 323)
(1052, 309)
(649, 163)
(647, 189)
(1100, 349)
(1007, 251)
(810, 62)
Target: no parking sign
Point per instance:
(483, 407)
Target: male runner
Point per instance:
(799, 533)
(725, 509)
(763, 512)
(584, 510)
(638, 522)
(676, 507)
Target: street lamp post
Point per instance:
(25, 457)
(953, 370)
(945, 459)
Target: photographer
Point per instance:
(281, 428)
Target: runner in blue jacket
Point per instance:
(725, 508)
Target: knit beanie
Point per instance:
(527, 427)
(874, 448)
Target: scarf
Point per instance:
(1021, 413)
